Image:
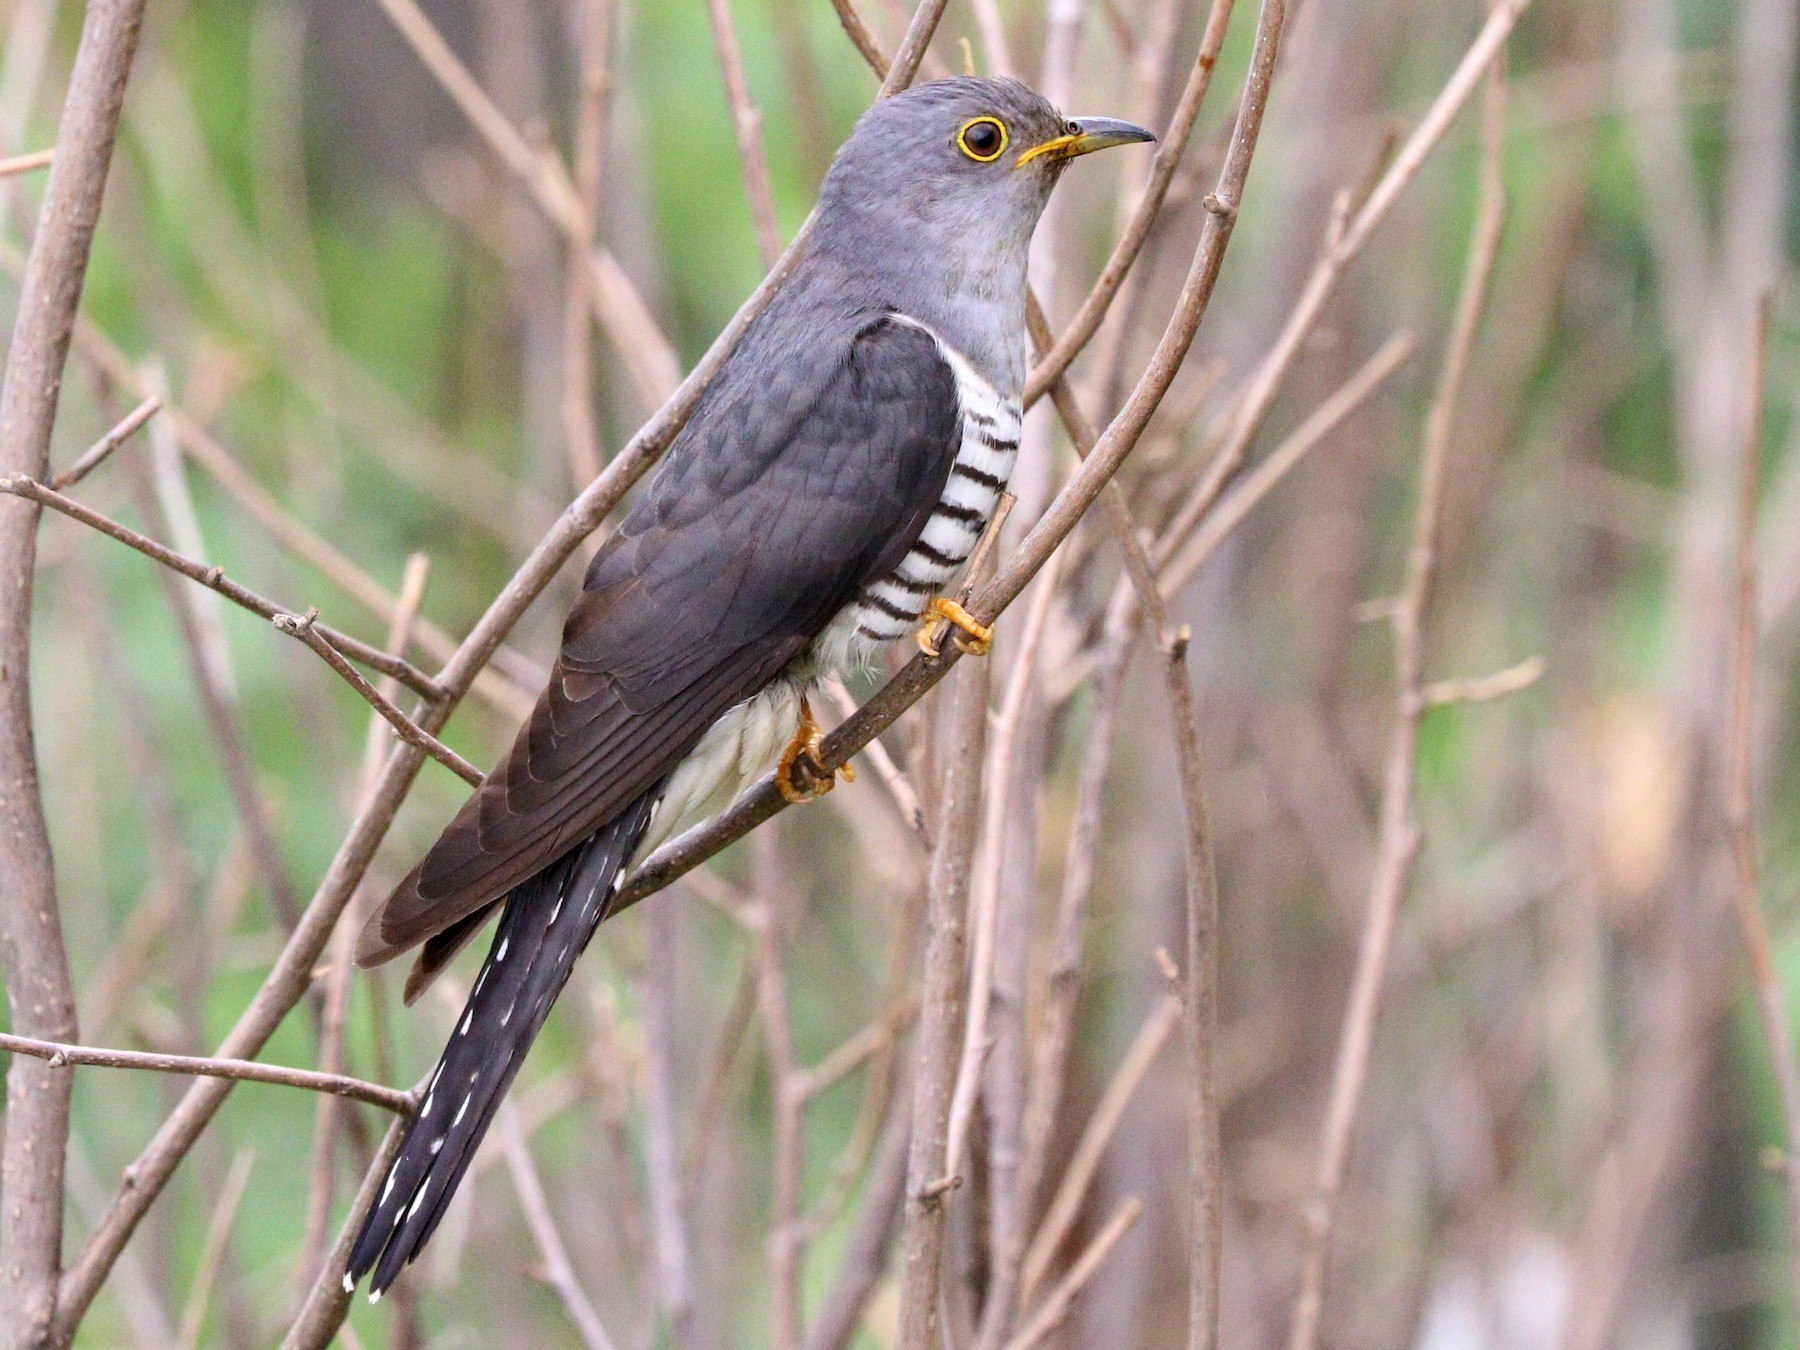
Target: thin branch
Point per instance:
(941, 1015)
(34, 963)
(558, 1273)
(1349, 231)
(214, 578)
(1398, 845)
(861, 38)
(97, 453)
(1256, 485)
(1084, 1163)
(1056, 1303)
(18, 164)
(212, 1250)
(1753, 927)
(746, 121)
(305, 628)
(1081, 329)
(1200, 1008)
(640, 342)
(1484, 688)
(59, 1054)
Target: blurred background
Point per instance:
(1570, 1135)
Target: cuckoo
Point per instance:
(830, 485)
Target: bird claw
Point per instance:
(972, 637)
(800, 774)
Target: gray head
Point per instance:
(930, 205)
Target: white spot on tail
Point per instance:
(500, 951)
(461, 1111)
(374, 1298)
(349, 1285)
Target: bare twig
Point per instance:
(1349, 231)
(595, 18)
(17, 164)
(96, 454)
(635, 335)
(1199, 1006)
(1399, 833)
(237, 1070)
(746, 121)
(1085, 1161)
(33, 961)
(1093, 311)
(1753, 928)
(305, 628)
(212, 1251)
(1056, 1303)
(214, 578)
(1484, 688)
(941, 1014)
(559, 1274)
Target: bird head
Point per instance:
(930, 205)
(968, 149)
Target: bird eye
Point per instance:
(982, 139)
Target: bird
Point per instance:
(828, 488)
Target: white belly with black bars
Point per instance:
(746, 742)
(891, 607)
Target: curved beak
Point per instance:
(1086, 135)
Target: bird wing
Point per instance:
(786, 495)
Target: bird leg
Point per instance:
(973, 637)
(800, 774)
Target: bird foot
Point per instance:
(972, 637)
(800, 774)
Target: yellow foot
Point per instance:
(974, 638)
(800, 774)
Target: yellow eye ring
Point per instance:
(989, 142)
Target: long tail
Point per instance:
(546, 924)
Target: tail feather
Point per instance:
(545, 925)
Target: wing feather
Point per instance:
(781, 500)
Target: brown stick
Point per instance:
(1085, 1161)
(1081, 329)
(1753, 927)
(1399, 833)
(33, 962)
(1056, 1305)
(14, 165)
(59, 1054)
(1351, 227)
(559, 1274)
(97, 453)
(746, 121)
(305, 628)
(941, 1015)
(1200, 1008)
(214, 578)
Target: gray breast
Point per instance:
(890, 608)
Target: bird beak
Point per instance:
(1086, 135)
